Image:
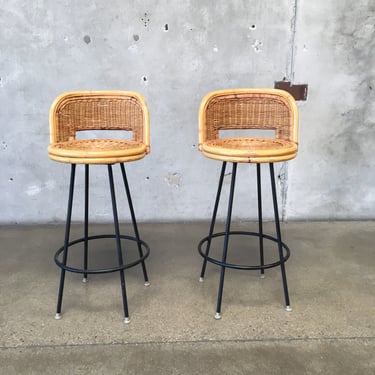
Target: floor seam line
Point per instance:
(182, 342)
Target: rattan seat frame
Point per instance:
(247, 109)
(93, 111)
(75, 112)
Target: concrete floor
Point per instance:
(331, 330)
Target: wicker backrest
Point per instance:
(268, 109)
(99, 110)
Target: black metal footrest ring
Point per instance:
(286, 254)
(144, 245)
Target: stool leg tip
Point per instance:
(58, 316)
(201, 279)
(147, 283)
(288, 308)
(84, 280)
(217, 316)
(262, 276)
(126, 320)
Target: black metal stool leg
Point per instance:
(279, 241)
(226, 241)
(260, 219)
(213, 220)
(118, 244)
(86, 225)
(135, 226)
(66, 241)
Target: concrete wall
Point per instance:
(334, 175)
(174, 53)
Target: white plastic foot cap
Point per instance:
(84, 280)
(288, 308)
(126, 320)
(201, 279)
(217, 316)
(58, 316)
(147, 283)
(262, 275)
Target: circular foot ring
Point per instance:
(143, 245)
(286, 252)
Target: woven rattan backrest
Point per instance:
(268, 109)
(99, 110)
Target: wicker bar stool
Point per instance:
(72, 113)
(236, 109)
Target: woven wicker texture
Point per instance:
(74, 112)
(243, 109)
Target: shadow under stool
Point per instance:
(95, 111)
(255, 110)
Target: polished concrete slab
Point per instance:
(331, 329)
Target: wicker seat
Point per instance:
(247, 109)
(75, 112)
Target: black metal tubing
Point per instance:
(260, 218)
(66, 240)
(226, 238)
(240, 266)
(212, 226)
(135, 226)
(283, 249)
(118, 242)
(86, 230)
(86, 271)
(278, 233)
(143, 248)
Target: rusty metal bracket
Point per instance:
(299, 92)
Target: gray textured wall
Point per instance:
(334, 175)
(47, 47)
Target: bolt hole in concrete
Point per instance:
(253, 27)
(166, 27)
(145, 80)
(87, 39)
